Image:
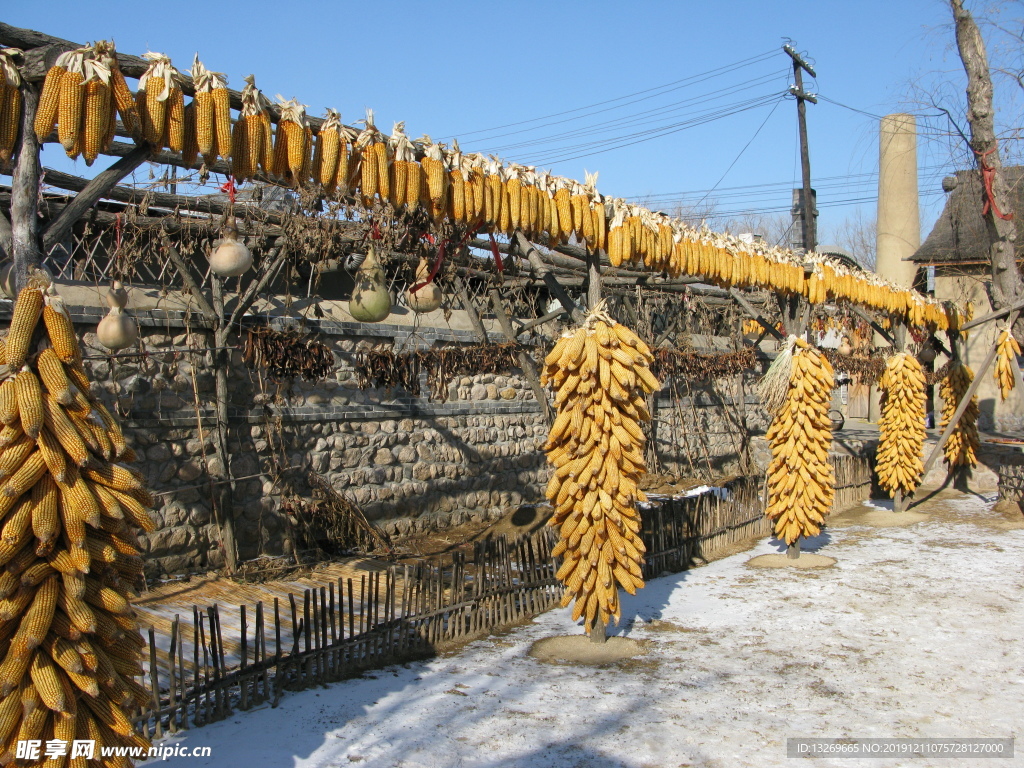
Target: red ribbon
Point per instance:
(230, 188)
(988, 175)
(496, 253)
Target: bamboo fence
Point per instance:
(405, 612)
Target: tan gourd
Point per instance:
(427, 297)
(117, 330)
(371, 301)
(231, 258)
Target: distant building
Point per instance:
(957, 247)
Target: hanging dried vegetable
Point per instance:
(695, 366)
(286, 354)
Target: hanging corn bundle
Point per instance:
(403, 165)
(797, 392)
(251, 137)
(10, 102)
(898, 462)
(99, 109)
(1008, 350)
(61, 101)
(600, 374)
(161, 104)
(293, 143)
(212, 113)
(375, 176)
(962, 444)
(70, 643)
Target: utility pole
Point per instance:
(810, 237)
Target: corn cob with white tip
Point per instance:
(600, 374)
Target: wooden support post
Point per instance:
(221, 363)
(102, 183)
(526, 361)
(965, 401)
(528, 252)
(593, 281)
(25, 243)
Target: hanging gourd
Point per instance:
(117, 330)
(427, 296)
(231, 258)
(371, 301)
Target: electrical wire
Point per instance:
(674, 85)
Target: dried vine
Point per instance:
(286, 354)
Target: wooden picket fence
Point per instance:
(406, 612)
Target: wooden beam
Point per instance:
(993, 316)
(964, 402)
(553, 315)
(97, 188)
(526, 361)
(532, 255)
(875, 326)
(276, 258)
(742, 301)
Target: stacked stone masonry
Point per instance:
(409, 463)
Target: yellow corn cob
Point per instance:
(348, 168)
(39, 616)
(23, 325)
(15, 527)
(62, 334)
(10, 117)
(563, 201)
(49, 100)
(325, 161)
(30, 401)
(242, 165)
(81, 615)
(134, 510)
(125, 102)
(60, 425)
(296, 149)
(96, 119)
(152, 110)
(203, 104)
(9, 404)
(222, 121)
(28, 473)
(69, 110)
(45, 514)
(174, 122)
(380, 155)
(51, 373)
(279, 165)
(47, 680)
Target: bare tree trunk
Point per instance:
(26, 250)
(1007, 286)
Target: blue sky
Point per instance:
(460, 68)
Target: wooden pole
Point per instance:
(532, 255)
(25, 243)
(742, 301)
(471, 310)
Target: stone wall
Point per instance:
(409, 463)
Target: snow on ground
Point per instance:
(914, 633)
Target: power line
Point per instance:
(674, 85)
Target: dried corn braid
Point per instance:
(1006, 360)
(898, 462)
(55, 621)
(599, 373)
(962, 444)
(801, 480)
